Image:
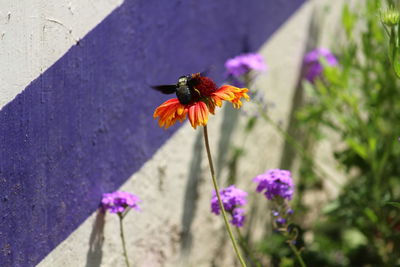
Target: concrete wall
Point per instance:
(76, 122)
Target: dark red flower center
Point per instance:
(204, 85)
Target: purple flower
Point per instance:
(244, 63)
(231, 197)
(280, 220)
(118, 202)
(313, 62)
(276, 183)
(238, 217)
(290, 211)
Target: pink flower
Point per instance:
(313, 63)
(118, 202)
(244, 63)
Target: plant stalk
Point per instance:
(121, 228)
(246, 248)
(296, 252)
(228, 228)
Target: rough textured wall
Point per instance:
(83, 126)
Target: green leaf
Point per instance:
(332, 74)
(371, 215)
(354, 238)
(286, 262)
(348, 20)
(394, 204)
(250, 124)
(372, 141)
(396, 65)
(331, 207)
(358, 148)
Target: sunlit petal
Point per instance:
(230, 93)
(169, 112)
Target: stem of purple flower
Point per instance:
(246, 248)
(125, 212)
(121, 229)
(297, 253)
(228, 228)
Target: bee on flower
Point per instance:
(197, 96)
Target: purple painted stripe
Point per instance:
(85, 125)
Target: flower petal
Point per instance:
(204, 113)
(198, 114)
(170, 112)
(230, 93)
(192, 115)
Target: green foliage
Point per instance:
(358, 101)
(394, 204)
(348, 20)
(390, 20)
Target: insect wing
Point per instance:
(165, 89)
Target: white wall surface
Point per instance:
(36, 33)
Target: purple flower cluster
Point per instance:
(276, 183)
(238, 217)
(244, 63)
(281, 218)
(231, 198)
(118, 202)
(313, 63)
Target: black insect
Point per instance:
(184, 88)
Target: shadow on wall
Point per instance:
(287, 158)
(231, 118)
(191, 196)
(95, 253)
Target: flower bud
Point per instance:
(390, 17)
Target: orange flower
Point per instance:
(169, 112)
(205, 97)
(230, 93)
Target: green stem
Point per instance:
(121, 228)
(297, 253)
(228, 228)
(247, 249)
